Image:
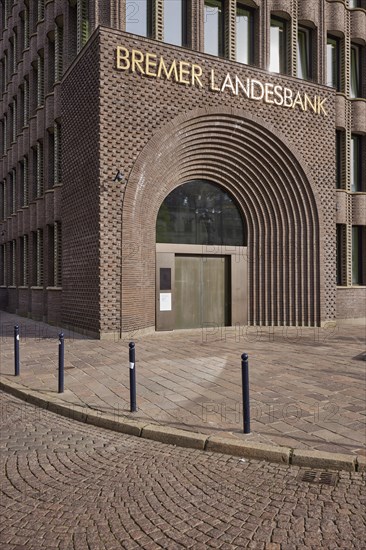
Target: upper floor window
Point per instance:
(244, 34)
(175, 22)
(214, 27)
(356, 179)
(358, 255)
(339, 158)
(139, 17)
(353, 3)
(304, 53)
(278, 46)
(355, 88)
(333, 62)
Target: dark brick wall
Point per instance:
(81, 192)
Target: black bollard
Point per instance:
(61, 361)
(133, 407)
(16, 351)
(245, 384)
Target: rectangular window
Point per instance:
(54, 249)
(13, 263)
(3, 265)
(214, 27)
(278, 46)
(40, 79)
(333, 63)
(353, 3)
(24, 270)
(139, 17)
(244, 34)
(340, 252)
(38, 258)
(2, 200)
(175, 22)
(356, 180)
(358, 252)
(304, 53)
(355, 88)
(339, 158)
(25, 182)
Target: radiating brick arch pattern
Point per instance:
(277, 199)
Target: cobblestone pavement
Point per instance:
(308, 385)
(66, 485)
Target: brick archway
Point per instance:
(271, 185)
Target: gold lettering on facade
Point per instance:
(212, 82)
(191, 74)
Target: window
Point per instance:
(214, 27)
(13, 263)
(333, 63)
(51, 71)
(278, 46)
(24, 270)
(358, 252)
(2, 200)
(139, 17)
(339, 158)
(356, 179)
(200, 212)
(3, 265)
(244, 34)
(353, 3)
(38, 258)
(304, 53)
(355, 88)
(175, 22)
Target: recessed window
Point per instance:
(278, 46)
(339, 158)
(333, 62)
(353, 3)
(200, 212)
(341, 233)
(175, 22)
(214, 27)
(304, 53)
(244, 34)
(358, 252)
(355, 88)
(356, 180)
(139, 17)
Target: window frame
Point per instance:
(251, 12)
(336, 83)
(356, 181)
(355, 71)
(149, 19)
(279, 22)
(221, 28)
(309, 46)
(184, 25)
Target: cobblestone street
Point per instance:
(66, 485)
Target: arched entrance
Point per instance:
(201, 273)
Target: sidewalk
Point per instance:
(308, 386)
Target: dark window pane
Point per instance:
(355, 90)
(304, 66)
(355, 163)
(200, 212)
(165, 278)
(333, 69)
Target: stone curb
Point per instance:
(188, 439)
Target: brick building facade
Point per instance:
(101, 126)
